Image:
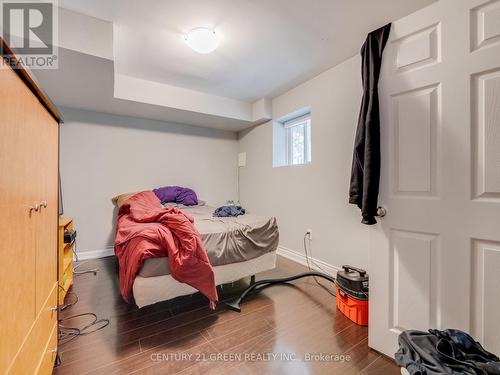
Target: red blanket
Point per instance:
(145, 230)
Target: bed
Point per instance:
(237, 247)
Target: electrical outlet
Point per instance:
(309, 233)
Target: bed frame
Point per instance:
(150, 290)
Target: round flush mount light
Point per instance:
(202, 40)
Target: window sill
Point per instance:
(293, 165)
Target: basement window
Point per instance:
(292, 139)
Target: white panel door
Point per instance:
(435, 257)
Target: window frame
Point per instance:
(288, 125)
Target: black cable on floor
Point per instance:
(89, 328)
(66, 305)
(318, 266)
(75, 272)
(69, 333)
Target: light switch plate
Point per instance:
(242, 159)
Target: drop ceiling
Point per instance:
(267, 47)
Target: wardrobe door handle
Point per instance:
(43, 204)
(35, 208)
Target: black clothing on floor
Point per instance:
(365, 173)
(444, 352)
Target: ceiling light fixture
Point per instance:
(202, 40)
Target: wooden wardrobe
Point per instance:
(29, 152)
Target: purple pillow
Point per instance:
(187, 197)
(176, 194)
(166, 194)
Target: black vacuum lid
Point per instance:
(353, 281)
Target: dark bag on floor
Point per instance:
(444, 352)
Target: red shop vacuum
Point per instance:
(352, 294)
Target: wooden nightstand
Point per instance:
(65, 259)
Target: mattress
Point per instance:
(226, 239)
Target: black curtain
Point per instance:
(365, 174)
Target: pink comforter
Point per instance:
(145, 230)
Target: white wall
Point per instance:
(312, 196)
(104, 155)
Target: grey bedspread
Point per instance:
(226, 239)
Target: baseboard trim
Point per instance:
(96, 254)
(299, 257)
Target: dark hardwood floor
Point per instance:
(185, 336)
